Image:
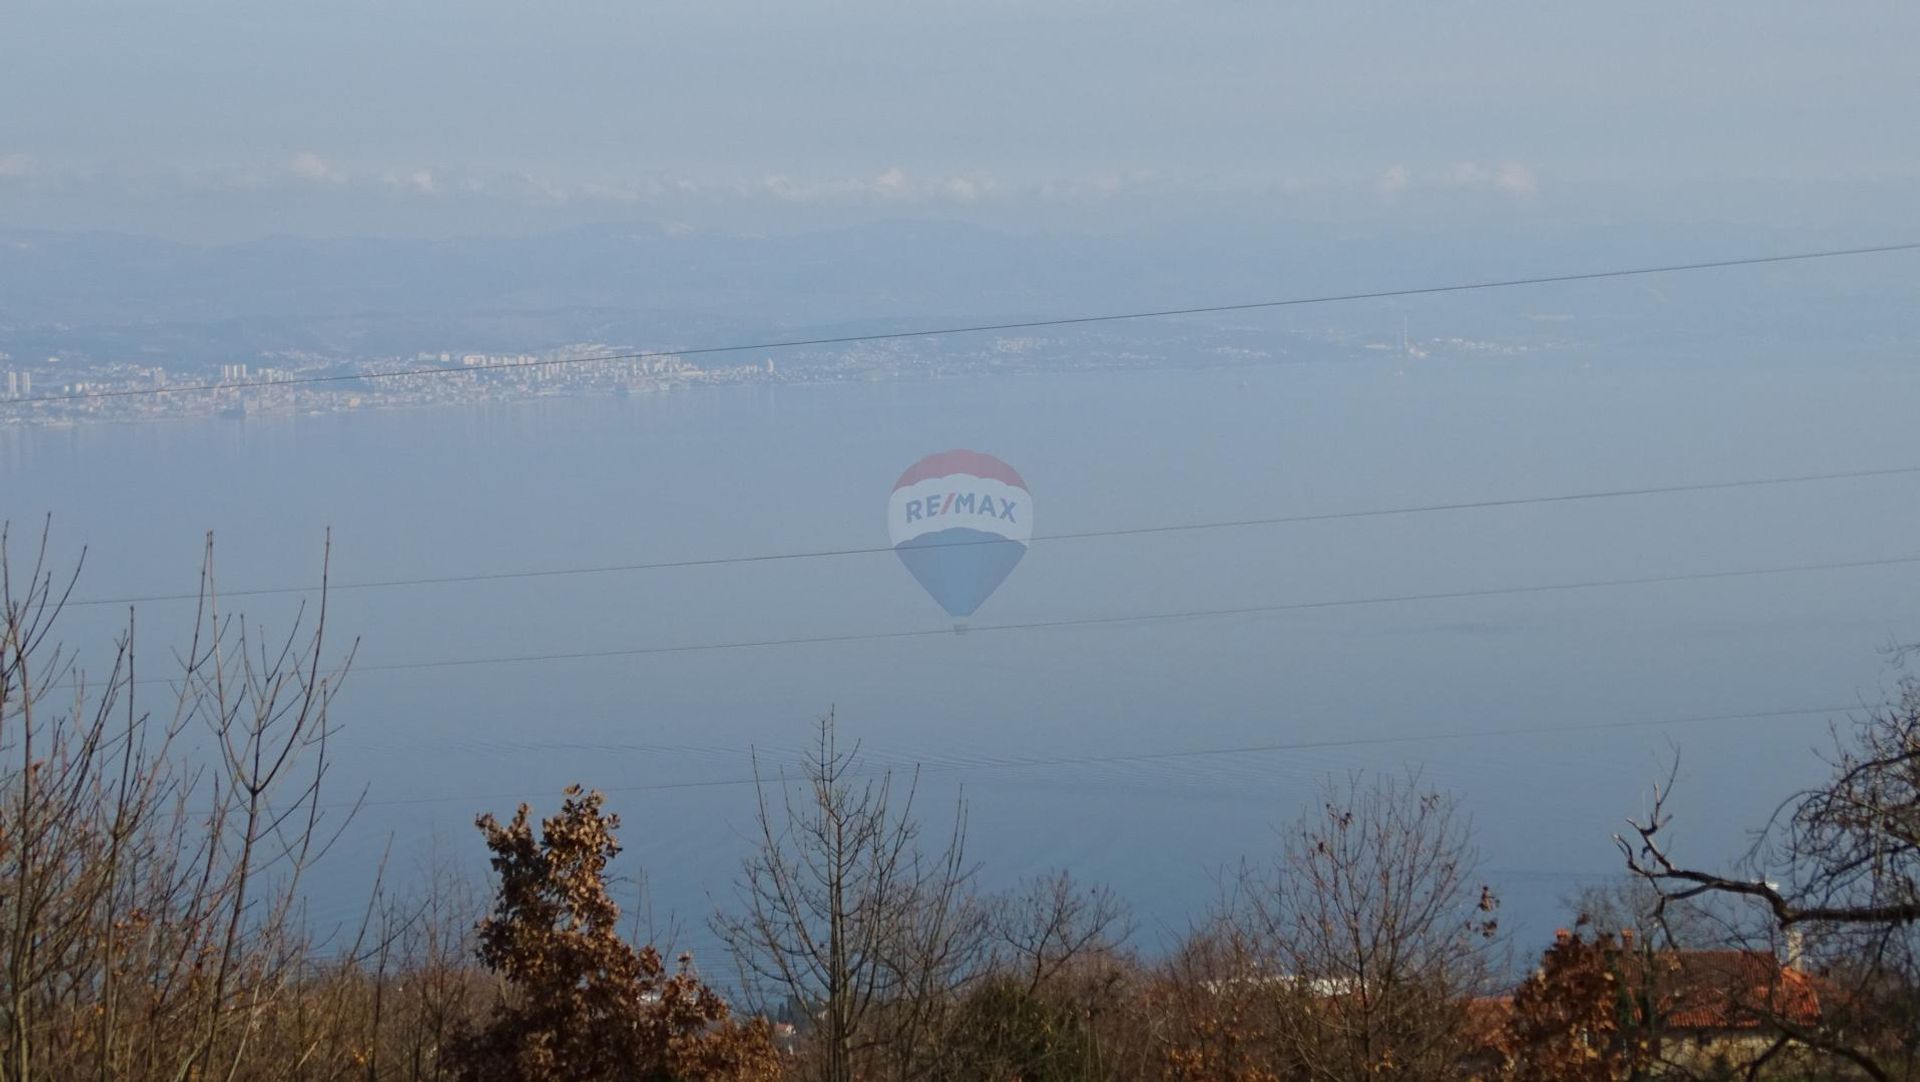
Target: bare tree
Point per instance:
(1053, 975)
(1629, 904)
(1047, 924)
(1371, 933)
(844, 917)
(265, 701)
(149, 901)
(438, 990)
(1217, 1008)
(1833, 883)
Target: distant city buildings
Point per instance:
(301, 382)
(312, 383)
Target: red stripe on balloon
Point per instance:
(947, 463)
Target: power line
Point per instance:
(1114, 621)
(1165, 756)
(1133, 531)
(1141, 618)
(979, 328)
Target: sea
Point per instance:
(1497, 576)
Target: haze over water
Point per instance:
(747, 471)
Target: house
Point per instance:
(1714, 1004)
(1688, 1007)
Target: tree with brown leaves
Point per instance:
(1566, 1023)
(582, 1005)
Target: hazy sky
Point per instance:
(234, 118)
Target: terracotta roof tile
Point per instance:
(1723, 989)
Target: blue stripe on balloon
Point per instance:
(960, 567)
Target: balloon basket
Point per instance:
(959, 627)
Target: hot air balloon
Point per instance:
(960, 521)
